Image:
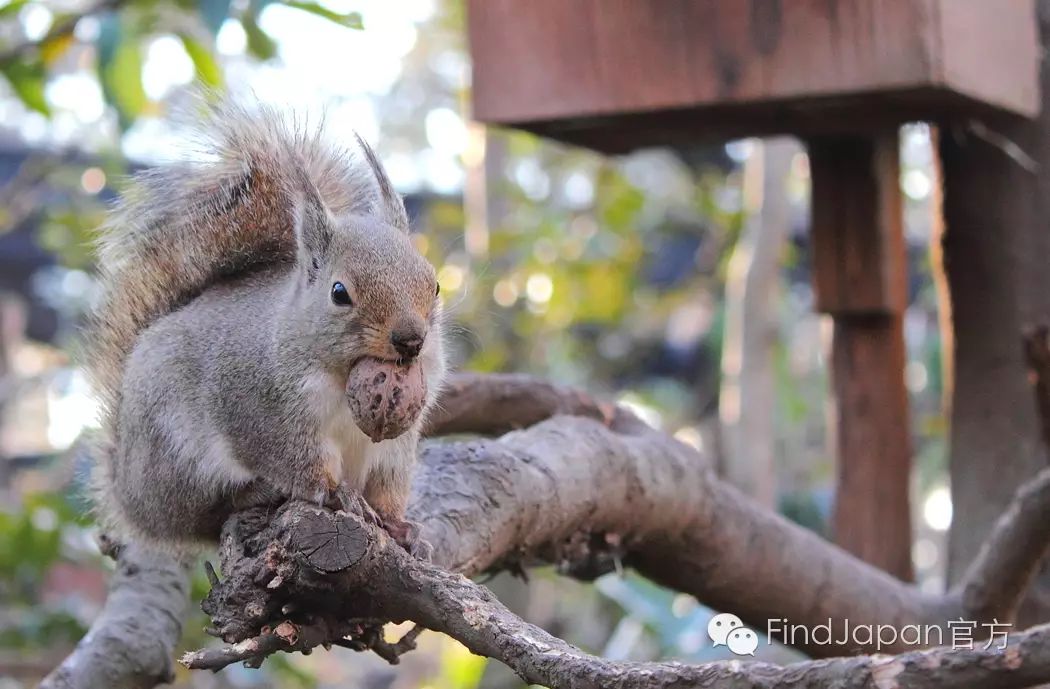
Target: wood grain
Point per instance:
(859, 263)
(592, 71)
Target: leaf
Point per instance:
(12, 8)
(259, 43)
(109, 33)
(214, 13)
(53, 49)
(123, 77)
(208, 69)
(351, 20)
(607, 293)
(120, 70)
(27, 80)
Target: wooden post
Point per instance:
(859, 274)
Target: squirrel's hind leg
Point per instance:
(258, 493)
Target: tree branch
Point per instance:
(497, 403)
(585, 493)
(999, 578)
(357, 570)
(571, 491)
(569, 477)
(130, 643)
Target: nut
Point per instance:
(385, 397)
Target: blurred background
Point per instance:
(628, 276)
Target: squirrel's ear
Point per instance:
(313, 228)
(388, 205)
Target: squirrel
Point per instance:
(237, 291)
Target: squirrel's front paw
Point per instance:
(351, 501)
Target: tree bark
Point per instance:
(349, 568)
(352, 569)
(996, 249)
(129, 645)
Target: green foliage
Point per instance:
(30, 539)
(565, 288)
(287, 674)
(460, 669)
(351, 20)
(124, 33)
(38, 627)
(794, 407)
(667, 624)
(120, 68)
(213, 13)
(260, 44)
(68, 222)
(31, 542)
(12, 8)
(27, 79)
(209, 72)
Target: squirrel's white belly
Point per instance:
(349, 453)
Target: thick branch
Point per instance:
(476, 619)
(530, 495)
(1000, 576)
(657, 504)
(377, 577)
(585, 493)
(492, 404)
(130, 643)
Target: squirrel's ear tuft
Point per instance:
(388, 204)
(313, 228)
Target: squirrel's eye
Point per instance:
(437, 290)
(340, 295)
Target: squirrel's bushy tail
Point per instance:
(225, 210)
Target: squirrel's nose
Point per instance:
(406, 344)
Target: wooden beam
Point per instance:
(858, 241)
(616, 75)
(859, 271)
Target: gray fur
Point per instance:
(218, 354)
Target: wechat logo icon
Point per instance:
(727, 630)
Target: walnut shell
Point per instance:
(385, 397)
